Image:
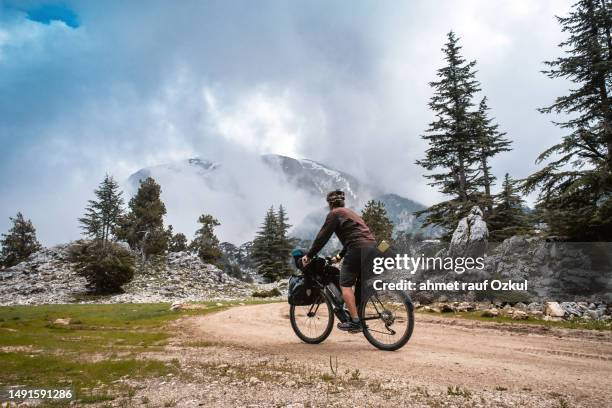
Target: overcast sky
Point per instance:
(102, 86)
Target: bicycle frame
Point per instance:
(337, 306)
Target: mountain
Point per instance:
(319, 179)
(239, 191)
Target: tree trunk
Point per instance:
(487, 184)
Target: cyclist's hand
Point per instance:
(305, 260)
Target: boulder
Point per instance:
(470, 236)
(553, 309)
(520, 315)
(534, 307)
(571, 308)
(593, 314)
(521, 306)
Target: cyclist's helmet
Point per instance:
(335, 198)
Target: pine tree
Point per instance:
(177, 242)
(508, 217)
(375, 216)
(283, 243)
(102, 216)
(271, 247)
(143, 227)
(576, 183)
(205, 243)
(489, 141)
(265, 246)
(452, 148)
(19, 242)
(106, 265)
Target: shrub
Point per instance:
(267, 293)
(106, 267)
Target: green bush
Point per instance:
(106, 267)
(267, 293)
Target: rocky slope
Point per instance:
(48, 277)
(562, 271)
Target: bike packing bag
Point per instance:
(331, 275)
(302, 292)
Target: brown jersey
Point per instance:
(349, 227)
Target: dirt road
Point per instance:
(559, 366)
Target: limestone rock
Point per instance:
(534, 307)
(470, 236)
(520, 315)
(571, 308)
(553, 309)
(521, 306)
(593, 314)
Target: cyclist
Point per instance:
(358, 244)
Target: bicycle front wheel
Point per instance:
(387, 318)
(312, 323)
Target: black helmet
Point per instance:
(335, 198)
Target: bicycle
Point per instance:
(387, 316)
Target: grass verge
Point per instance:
(90, 355)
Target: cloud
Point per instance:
(260, 121)
(114, 87)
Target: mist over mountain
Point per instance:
(239, 193)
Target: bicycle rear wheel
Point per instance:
(387, 318)
(312, 323)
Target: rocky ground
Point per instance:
(49, 277)
(249, 357)
(579, 312)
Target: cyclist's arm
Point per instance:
(328, 228)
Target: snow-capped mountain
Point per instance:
(318, 178)
(238, 193)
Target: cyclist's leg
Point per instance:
(348, 277)
(349, 298)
